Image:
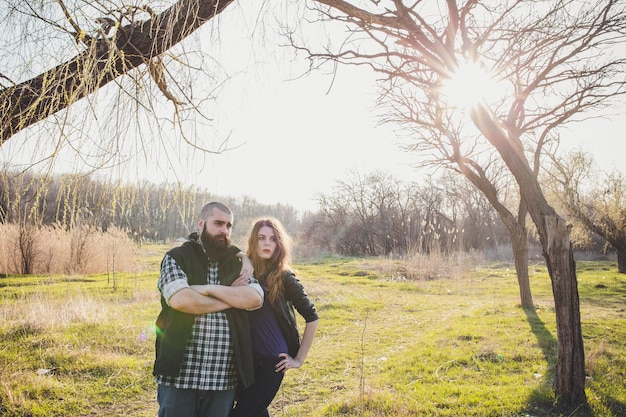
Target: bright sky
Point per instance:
(294, 139)
(298, 137)
(298, 134)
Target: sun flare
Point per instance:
(467, 86)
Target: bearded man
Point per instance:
(203, 340)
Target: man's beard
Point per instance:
(214, 245)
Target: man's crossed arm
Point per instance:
(211, 298)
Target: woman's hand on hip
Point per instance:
(287, 363)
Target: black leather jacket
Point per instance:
(293, 297)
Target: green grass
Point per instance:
(386, 346)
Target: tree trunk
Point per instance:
(554, 234)
(570, 373)
(621, 259)
(519, 242)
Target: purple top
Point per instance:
(267, 339)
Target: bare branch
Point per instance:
(104, 60)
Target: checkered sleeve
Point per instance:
(257, 287)
(172, 278)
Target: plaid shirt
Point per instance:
(209, 362)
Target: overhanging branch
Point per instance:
(104, 60)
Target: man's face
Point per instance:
(216, 230)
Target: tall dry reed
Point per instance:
(82, 250)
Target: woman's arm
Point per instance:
(296, 294)
(307, 341)
(305, 345)
(246, 266)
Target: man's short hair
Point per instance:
(207, 210)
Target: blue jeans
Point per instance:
(175, 402)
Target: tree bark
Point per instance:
(569, 378)
(554, 235)
(103, 61)
(621, 259)
(519, 242)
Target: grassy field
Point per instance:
(453, 345)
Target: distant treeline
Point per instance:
(364, 215)
(145, 210)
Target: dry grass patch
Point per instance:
(54, 250)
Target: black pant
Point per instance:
(253, 401)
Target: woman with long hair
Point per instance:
(276, 342)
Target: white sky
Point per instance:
(298, 134)
(296, 138)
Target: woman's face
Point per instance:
(266, 243)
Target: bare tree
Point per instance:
(594, 198)
(377, 214)
(479, 227)
(555, 63)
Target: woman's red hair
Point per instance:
(271, 269)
